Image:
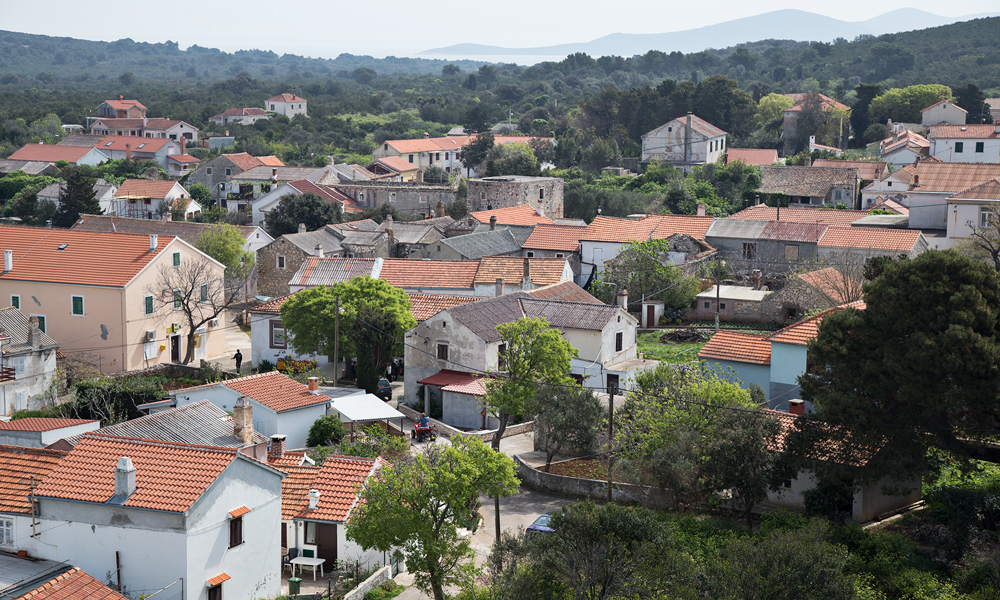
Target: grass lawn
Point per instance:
(651, 347)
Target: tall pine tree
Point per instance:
(77, 197)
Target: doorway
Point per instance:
(175, 348)
(650, 316)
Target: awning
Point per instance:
(359, 409)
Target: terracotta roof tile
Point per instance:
(832, 283)
(272, 306)
(135, 144)
(459, 382)
(697, 124)
(828, 216)
(870, 238)
(169, 476)
(413, 146)
(989, 190)
(285, 98)
(221, 577)
(564, 290)
(20, 465)
(50, 153)
(788, 231)
(276, 391)
(396, 163)
(802, 332)
(804, 181)
(752, 156)
(543, 271)
(145, 188)
(89, 257)
(513, 215)
(827, 102)
(295, 487)
(124, 104)
(243, 160)
(559, 238)
(979, 132)
(951, 177)
(239, 512)
(840, 445)
(867, 169)
(42, 424)
(189, 231)
(289, 459)
(611, 229)
(737, 347)
(183, 158)
(72, 585)
(425, 306)
(410, 273)
(270, 161)
(338, 482)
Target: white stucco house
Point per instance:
(287, 104)
(203, 520)
(281, 405)
(943, 112)
(971, 209)
(269, 340)
(104, 193)
(684, 142)
(44, 432)
(450, 352)
(965, 143)
(22, 466)
(27, 361)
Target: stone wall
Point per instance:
(272, 281)
(575, 487)
(491, 193)
(797, 296)
(448, 431)
(408, 198)
(377, 579)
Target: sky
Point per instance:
(326, 29)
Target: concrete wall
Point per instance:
(29, 385)
(260, 342)
(744, 374)
(466, 351)
(944, 112)
(946, 150)
(588, 488)
(869, 501)
(667, 144)
(295, 424)
(463, 411)
(788, 362)
(378, 578)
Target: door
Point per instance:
(326, 545)
(650, 316)
(175, 348)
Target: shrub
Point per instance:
(325, 431)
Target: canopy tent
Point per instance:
(365, 409)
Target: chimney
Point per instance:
(540, 210)
(916, 180)
(32, 325)
(687, 139)
(314, 386)
(622, 298)
(499, 286)
(808, 162)
(439, 212)
(183, 144)
(701, 210)
(314, 499)
(8, 261)
(153, 242)
(124, 477)
(996, 128)
(120, 97)
(227, 133)
(526, 279)
(426, 135)
(318, 251)
(797, 407)
(48, 223)
(128, 151)
(302, 227)
(812, 142)
(493, 223)
(243, 420)
(277, 449)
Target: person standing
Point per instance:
(239, 360)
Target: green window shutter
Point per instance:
(177, 299)
(149, 305)
(177, 259)
(41, 324)
(77, 305)
(204, 292)
(15, 301)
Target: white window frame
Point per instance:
(43, 322)
(19, 364)
(15, 301)
(148, 304)
(176, 260)
(279, 262)
(83, 308)
(984, 216)
(6, 531)
(21, 400)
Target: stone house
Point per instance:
(410, 238)
(735, 303)
(764, 251)
(279, 260)
(544, 194)
(684, 142)
(501, 241)
(810, 292)
(416, 198)
(811, 186)
(555, 241)
(27, 362)
(219, 170)
(288, 105)
(790, 116)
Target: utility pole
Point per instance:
(246, 292)
(611, 415)
(336, 340)
(718, 286)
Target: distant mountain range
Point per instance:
(788, 24)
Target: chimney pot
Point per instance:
(277, 449)
(493, 223)
(32, 325)
(302, 227)
(808, 161)
(314, 385)
(622, 297)
(440, 209)
(526, 279)
(319, 251)
(499, 291)
(124, 477)
(701, 210)
(153, 242)
(243, 420)
(314, 499)
(8, 260)
(797, 407)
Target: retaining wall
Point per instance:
(377, 579)
(576, 487)
(448, 431)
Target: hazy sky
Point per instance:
(394, 27)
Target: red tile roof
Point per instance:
(239, 512)
(243, 161)
(513, 215)
(788, 231)
(50, 153)
(339, 481)
(737, 347)
(410, 273)
(832, 283)
(989, 190)
(221, 577)
(459, 382)
(867, 169)
(42, 424)
(611, 229)
(543, 271)
(979, 132)
(272, 306)
(183, 158)
(397, 163)
(559, 238)
(413, 146)
(327, 193)
(276, 391)
(270, 161)
(169, 476)
(290, 459)
(827, 216)
(89, 257)
(145, 188)
(841, 445)
(940, 102)
(72, 585)
(870, 238)
(124, 104)
(425, 306)
(285, 98)
(566, 291)
(826, 101)
(20, 466)
(800, 333)
(118, 142)
(295, 487)
(752, 156)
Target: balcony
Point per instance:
(6, 374)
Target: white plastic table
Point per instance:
(308, 561)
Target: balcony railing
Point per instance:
(6, 374)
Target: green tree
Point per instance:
(983, 242)
(201, 194)
(741, 457)
(48, 129)
(475, 152)
(77, 197)
(435, 174)
(860, 118)
(418, 505)
(642, 269)
(973, 100)
(904, 104)
(306, 208)
(325, 430)
(568, 417)
(511, 159)
(771, 109)
(224, 243)
(945, 386)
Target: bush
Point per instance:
(265, 366)
(389, 589)
(115, 400)
(325, 431)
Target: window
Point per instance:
(722, 306)
(208, 170)
(6, 532)
(410, 156)
(280, 262)
(177, 299)
(41, 322)
(278, 339)
(229, 172)
(392, 197)
(618, 341)
(791, 252)
(980, 146)
(203, 296)
(502, 357)
(385, 147)
(959, 147)
(15, 301)
(18, 364)
(838, 195)
(177, 259)
(750, 250)
(541, 194)
(531, 254)
(443, 351)
(791, 313)
(77, 305)
(707, 305)
(984, 217)
(310, 533)
(21, 400)
(437, 156)
(560, 255)
(235, 532)
(482, 195)
(215, 592)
